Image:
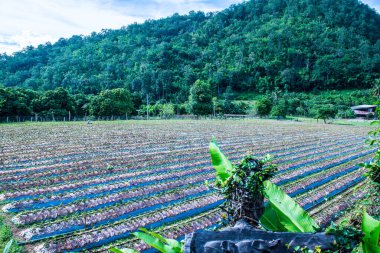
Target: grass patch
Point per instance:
(6, 236)
(346, 122)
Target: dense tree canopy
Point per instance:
(56, 102)
(200, 99)
(264, 106)
(112, 102)
(255, 46)
(16, 101)
(326, 112)
(59, 104)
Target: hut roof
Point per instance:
(358, 107)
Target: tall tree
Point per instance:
(117, 102)
(200, 99)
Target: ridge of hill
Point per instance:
(255, 46)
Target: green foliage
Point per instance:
(154, 240)
(56, 102)
(200, 99)
(242, 185)
(326, 112)
(250, 178)
(256, 47)
(371, 230)
(279, 110)
(308, 104)
(167, 111)
(283, 214)
(347, 238)
(163, 110)
(235, 107)
(215, 105)
(373, 167)
(81, 104)
(264, 106)
(116, 250)
(346, 114)
(299, 249)
(16, 101)
(173, 244)
(231, 107)
(7, 244)
(110, 168)
(253, 46)
(222, 165)
(249, 175)
(116, 102)
(26, 102)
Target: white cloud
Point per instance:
(373, 4)
(32, 22)
(11, 43)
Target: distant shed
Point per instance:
(364, 111)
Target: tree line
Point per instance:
(59, 102)
(113, 102)
(121, 102)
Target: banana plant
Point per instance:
(282, 213)
(371, 230)
(222, 165)
(154, 240)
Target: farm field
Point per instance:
(76, 187)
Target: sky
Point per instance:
(34, 22)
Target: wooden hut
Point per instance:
(364, 111)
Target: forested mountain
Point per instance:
(296, 45)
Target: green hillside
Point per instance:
(254, 46)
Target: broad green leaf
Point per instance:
(284, 213)
(115, 250)
(171, 242)
(8, 246)
(125, 250)
(159, 237)
(221, 164)
(371, 230)
(154, 242)
(270, 220)
(176, 245)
